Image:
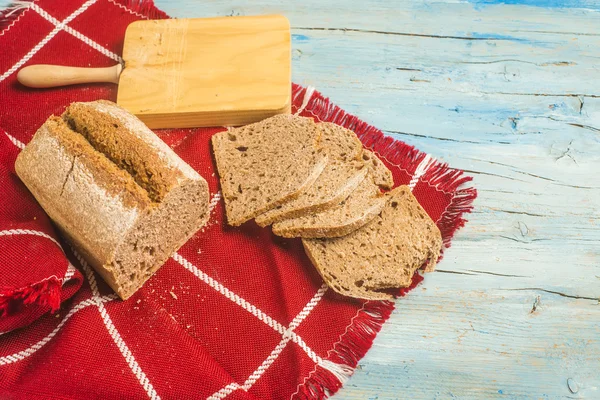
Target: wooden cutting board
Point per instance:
(206, 72)
(181, 73)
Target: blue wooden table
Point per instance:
(510, 93)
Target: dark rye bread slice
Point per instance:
(125, 226)
(342, 174)
(267, 163)
(383, 254)
(381, 174)
(358, 209)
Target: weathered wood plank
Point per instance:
(456, 343)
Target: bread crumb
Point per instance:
(173, 295)
(139, 301)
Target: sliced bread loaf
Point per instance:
(267, 163)
(385, 253)
(358, 209)
(381, 174)
(342, 174)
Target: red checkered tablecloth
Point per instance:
(236, 313)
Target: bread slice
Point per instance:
(117, 192)
(267, 163)
(340, 143)
(358, 209)
(383, 254)
(342, 174)
(381, 174)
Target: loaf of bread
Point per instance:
(116, 191)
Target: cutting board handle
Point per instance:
(45, 76)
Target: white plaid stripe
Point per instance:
(286, 338)
(285, 332)
(423, 166)
(15, 141)
(213, 203)
(45, 40)
(14, 232)
(76, 33)
(70, 272)
(21, 355)
(114, 333)
(310, 91)
(252, 309)
(225, 391)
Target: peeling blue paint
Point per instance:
(300, 38)
(497, 36)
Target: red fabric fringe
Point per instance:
(352, 346)
(359, 336)
(10, 15)
(320, 385)
(43, 293)
(145, 7)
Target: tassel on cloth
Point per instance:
(44, 293)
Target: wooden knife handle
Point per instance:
(45, 76)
